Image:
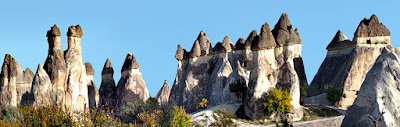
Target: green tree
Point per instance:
(239, 88)
(180, 118)
(333, 94)
(278, 102)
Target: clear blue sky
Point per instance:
(151, 30)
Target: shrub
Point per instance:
(303, 90)
(224, 118)
(129, 110)
(278, 102)
(333, 94)
(50, 115)
(150, 119)
(180, 118)
(239, 88)
(9, 114)
(202, 105)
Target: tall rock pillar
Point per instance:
(76, 86)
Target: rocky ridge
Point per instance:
(260, 62)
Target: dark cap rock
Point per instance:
(227, 44)
(218, 48)
(107, 68)
(284, 33)
(196, 51)
(266, 39)
(371, 28)
(89, 69)
(130, 63)
(204, 43)
(54, 31)
(339, 41)
(9, 68)
(75, 31)
(250, 39)
(179, 54)
(240, 44)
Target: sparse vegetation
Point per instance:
(303, 90)
(312, 112)
(202, 105)
(333, 94)
(224, 118)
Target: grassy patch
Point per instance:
(312, 112)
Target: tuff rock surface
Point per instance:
(42, 88)
(163, 95)
(15, 83)
(107, 87)
(131, 86)
(347, 62)
(258, 62)
(94, 96)
(379, 95)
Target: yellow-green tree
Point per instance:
(202, 104)
(278, 102)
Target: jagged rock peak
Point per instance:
(130, 63)
(202, 36)
(9, 68)
(180, 53)
(371, 28)
(89, 69)
(54, 31)
(218, 48)
(266, 39)
(108, 68)
(339, 37)
(284, 33)
(240, 44)
(196, 51)
(227, 44)
(75, 31)
(250, 39)
(163, 94)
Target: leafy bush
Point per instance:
(202, 104)
(224, 118)
(180, 118)
(129, 110)
(333, 94)
(50, 115)
(278, 102)
(239, 88)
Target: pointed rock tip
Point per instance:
(130, 63)
(108, 68)
(226, 40)
(75, 31)
(89, 68)
(196, 51)
(284, 20)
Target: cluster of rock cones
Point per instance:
(365, 68)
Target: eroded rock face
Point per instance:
(107, 88)
(76, 89)
(55, 65)
(163, 95)
(15, 83)
(258, 62)
(94, 96)
(379, 93)
(42, 88)
(347, 62)
(205, 44)
(284, 33)
(131, 86)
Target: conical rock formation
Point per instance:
(131, 86)
(42, 88)
(163, 95)
(93, 93)
(107, 87)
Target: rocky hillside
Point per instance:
(348, 61)
(378, 100)
(271, 59)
